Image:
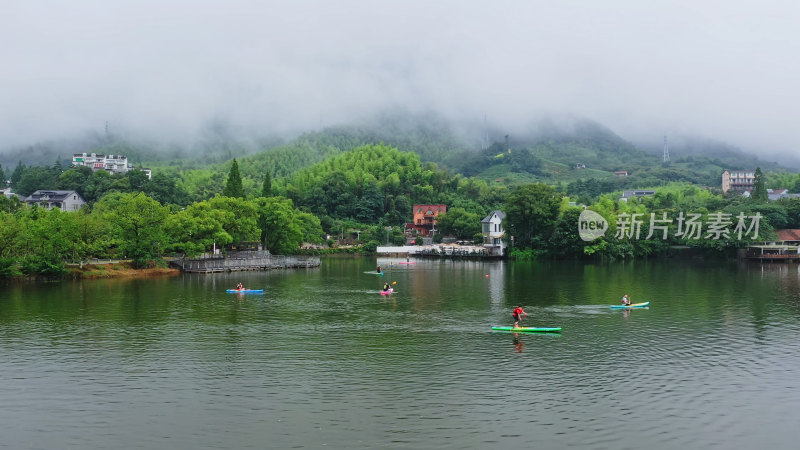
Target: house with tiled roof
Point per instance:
(493, 233)
(424, 220)
(777, 194)
(64, 200)
(789, 236)
(785, 248)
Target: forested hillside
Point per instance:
(545, 151)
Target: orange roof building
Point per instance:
(424, 220)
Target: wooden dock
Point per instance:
(776, 257)
(773, 252)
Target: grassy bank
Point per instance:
(118, 270)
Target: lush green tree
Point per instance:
(239, 218)
(91, 235)
(282, 230)
(531, 211)
(197, 228)
(165, 189)
(759, 191)
(792, 206)
(10, 232)
(233, 187)
(796, 187)
(459, 223)
(3, 179)
(10, 204)
(779, 180)
(137, 180)
(138, 221)
(46, 238)
(201, 184)
(97, 186)
(36, 178)
(75, 179)
(311, 227)
(399, 209)
(565, 241)
(333, 195)
(369, 208)
(774, 213)
(17, 174)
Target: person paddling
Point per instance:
(517, 315)
(239, 287)
(626, 300)
(379, 269)
(385, 287)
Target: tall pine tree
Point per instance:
(233, 187)
(759, 192)
(266, 190)
(17, 174)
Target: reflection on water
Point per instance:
(321, 359)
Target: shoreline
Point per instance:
(121, 270)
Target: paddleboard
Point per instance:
(529, 329)
(407, 263)
(244, 291)
(375, 273)
(390, 291)
(632, 305)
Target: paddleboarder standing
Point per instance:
(517, 315)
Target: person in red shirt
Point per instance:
(518, 314)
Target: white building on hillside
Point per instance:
(493, 232)
(109, 163)
(737, 180)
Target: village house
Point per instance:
(777, 194)
(424, 220)
(64, 200)
(493, 232)
(636, 194)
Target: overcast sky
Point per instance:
(729, 70)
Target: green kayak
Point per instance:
(529, 329)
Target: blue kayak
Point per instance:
(632, 305)
(244, 291)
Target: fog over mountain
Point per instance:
(170, 71)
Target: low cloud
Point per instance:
(167, 70)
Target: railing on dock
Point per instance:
(244, 260)
(773, 252)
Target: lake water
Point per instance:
(322, 360)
